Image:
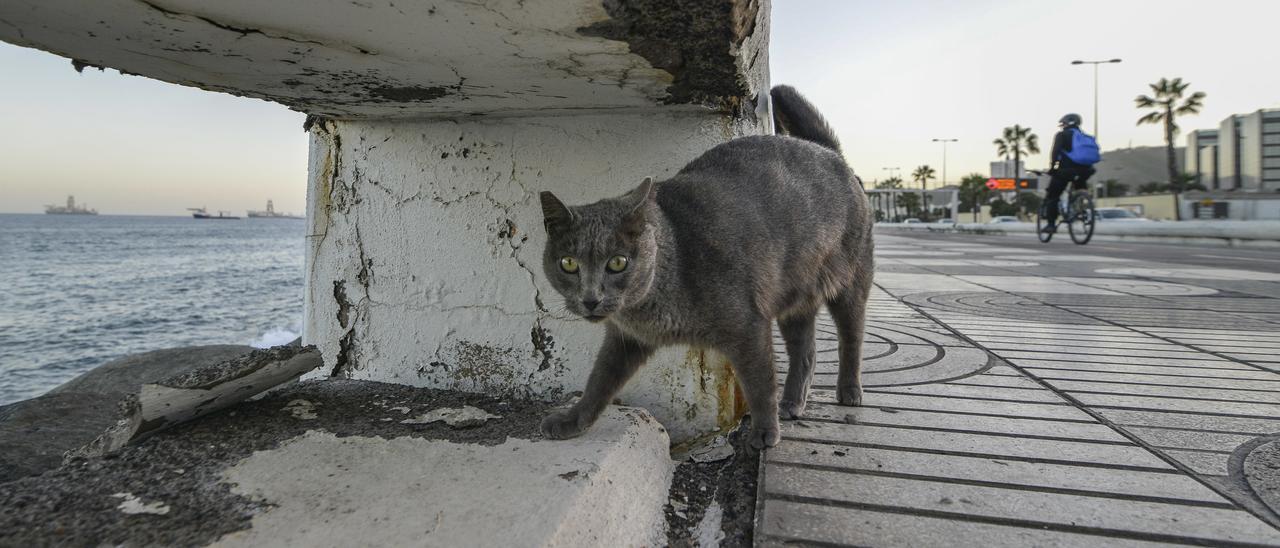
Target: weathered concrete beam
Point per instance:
(380, 59)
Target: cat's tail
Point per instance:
(795, 116)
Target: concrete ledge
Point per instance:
(604, 489)
(346, 463)
(1224, 233)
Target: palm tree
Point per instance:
(973, 190)
(910, 202)
(922, 175)
(1017, 141)
(1167, 109)
(892, 182)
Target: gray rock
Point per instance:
(124, 375)
(35, 433)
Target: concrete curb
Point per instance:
(1221, 233)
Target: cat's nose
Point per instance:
(590, 304)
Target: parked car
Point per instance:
(1109, 214)
(1002, 219)
(947, 221)
(911, 221)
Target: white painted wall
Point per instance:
(434, 231)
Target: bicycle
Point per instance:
(1076, 210)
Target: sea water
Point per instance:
(77, 291)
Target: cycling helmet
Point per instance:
(1072, 119)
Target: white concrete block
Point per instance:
(606, 488)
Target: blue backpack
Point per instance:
(1084, 148)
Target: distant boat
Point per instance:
(202, 213)
(271, 213)
(70, 209)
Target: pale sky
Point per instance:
(889, 75)
(131, 145)
(892, 75)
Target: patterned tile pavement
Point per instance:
(1017, 397)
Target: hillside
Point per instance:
(1135, 166)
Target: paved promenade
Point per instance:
(1024, 395)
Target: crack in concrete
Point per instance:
(245, 31)
(347, 341)
(344, 197)
(319, 217)
(543, 343)
(446, 203)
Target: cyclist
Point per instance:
(1063, 169)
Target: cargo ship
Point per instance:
(70, 209)
(202, 213)
(271, 213)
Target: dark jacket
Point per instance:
(1061, 146)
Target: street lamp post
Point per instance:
(894, 198)
(944, 157)
(944, 163)
(1095, 87)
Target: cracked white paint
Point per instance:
(346, 58)
(457, 417)
(131, 504)
(433, 230)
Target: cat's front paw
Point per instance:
(849, 395)
(789, 410)
(763, 435)
(562, 425)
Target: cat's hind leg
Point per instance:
(849, 310)
(798, 332)
(750, 350)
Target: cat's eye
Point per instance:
(617, 264)
(569, 264)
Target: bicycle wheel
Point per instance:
(1040, 224)
(1082, 218)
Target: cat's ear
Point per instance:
(641, 195)
(556, 217)
(636, 219)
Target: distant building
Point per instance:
(1207, 168)
(1005, 168)
(1200, 142)
(1245, 153)
(1229, 153)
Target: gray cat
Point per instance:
(756, 230)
